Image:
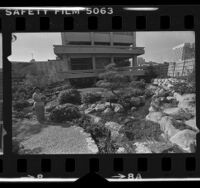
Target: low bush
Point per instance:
(150, 74)
(136, 92)
(138, 84)
(148, 93)
(98, 132)
(135, 101)
(184, 88)
(65, 112)
(20, 105)
(89, 98)
(69, 96)
(137, 129)
(111, 98)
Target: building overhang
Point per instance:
(95, 50)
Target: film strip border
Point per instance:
(95, 23)
(149, 166)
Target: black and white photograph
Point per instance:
(103, 92)
(1, 99)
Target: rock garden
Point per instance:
(119, 115)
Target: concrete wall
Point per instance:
(110, 37)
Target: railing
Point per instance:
(88, 49)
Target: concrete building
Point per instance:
(183, 60)
(85, 54)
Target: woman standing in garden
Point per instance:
(38, 105)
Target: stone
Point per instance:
(152, 109)
(95, 119)
(192, 123)
(118, 108)
(188, 103)
(89, 110)
(100, 107)
(121, 150)
(154, 116)
(133, 109)
(107, 110)
(178, 96)
(185, 139)
(177, 113)
(93, 106)
(82, 106)
(166, 125)
(141, 148)
(113, 126)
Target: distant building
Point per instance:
(183, 60)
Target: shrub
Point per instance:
(69, 96)
(135, 101)
(137, 92)
(184, 87)
(51, 108)
(137, 129)
(89, 98)
(138, 84)
(97, 130)
(148, 93)
(65, 112)
(150, 74)
(111, 98)
(20, 105)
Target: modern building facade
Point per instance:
(85, 54)
(183, 60)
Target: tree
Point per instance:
(115, 82)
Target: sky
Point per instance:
(158, 45)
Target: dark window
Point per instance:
(81, 64)
(79, 43)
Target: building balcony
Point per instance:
(95, 50)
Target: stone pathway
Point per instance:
(61, 140)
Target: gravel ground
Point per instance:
(61, 140)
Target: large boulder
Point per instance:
(154, 116)
(166, 125)
(185, 139)
(188, 103)
(177, 113)
(192, 123)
